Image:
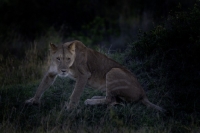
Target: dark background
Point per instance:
(163, 35)
(116, 21)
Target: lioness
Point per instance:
(86, 66)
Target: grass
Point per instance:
(52, 117)
(19, 79)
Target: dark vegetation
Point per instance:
(95, 22)
(165, 59)
(176, 49)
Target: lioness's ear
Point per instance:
(72, 47)
(53, 47)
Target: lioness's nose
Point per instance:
(63, 70)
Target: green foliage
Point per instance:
(29, 63)
(173, 48)
(15, 71)
(94, 32)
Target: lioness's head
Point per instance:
(62, 58)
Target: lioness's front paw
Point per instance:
(69, 106)
(32, 101)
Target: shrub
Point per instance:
(174, 47)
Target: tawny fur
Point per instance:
(86, 66)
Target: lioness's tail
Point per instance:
(146, 102)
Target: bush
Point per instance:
(174, 48)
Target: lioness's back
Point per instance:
(99, 63)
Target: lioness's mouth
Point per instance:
(63, 74)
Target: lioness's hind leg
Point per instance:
(98, 97)
(95, 101)
(121, 83)
(114, 83)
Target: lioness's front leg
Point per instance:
(47, 81)
(78, 89)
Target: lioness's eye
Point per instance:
(58, 58)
